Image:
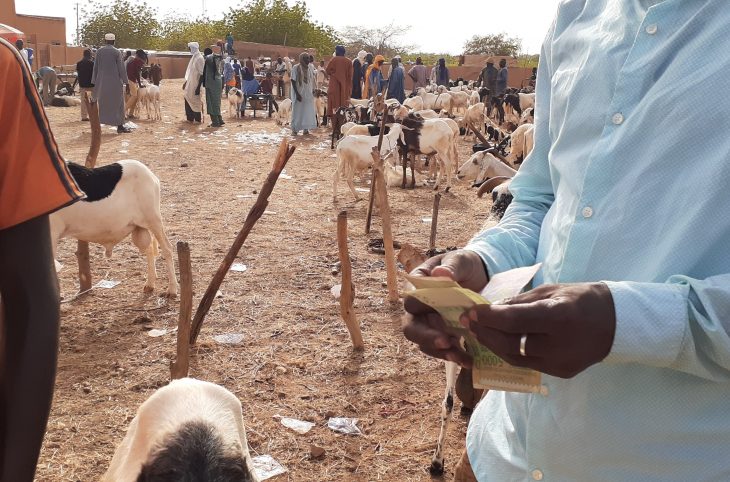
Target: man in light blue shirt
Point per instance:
(624, 202)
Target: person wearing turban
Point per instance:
(340, 72)
(374, 81)
(191, 87)
(303, 82)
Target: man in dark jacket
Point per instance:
(84, 71)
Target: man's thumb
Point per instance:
(452, 266)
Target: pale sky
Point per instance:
(441, 27)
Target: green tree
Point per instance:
(176, 31)
(277, 22)
(493, 44)
(134, 24)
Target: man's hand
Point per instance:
(569, 327)
(423, 326)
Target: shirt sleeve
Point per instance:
(513, 242)
(34, 179)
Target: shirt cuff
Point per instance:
(494, 261)
(652, 321)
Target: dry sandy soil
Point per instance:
(296, 358)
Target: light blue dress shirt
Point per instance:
(629, 183)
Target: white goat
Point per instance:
(414, 103)
(354, 155)
(154, 101)
(474, 98)
(440, 101)
(523, 141)
(459, 100)
(189, 428)
(235, 98)
(482, 165)
(122, 198)
(475, 115)
(283, 115)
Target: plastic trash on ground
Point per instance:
(344, 425)
(239, 267)
(229, 339)
(266, 467)
(107, 284)
(336, 291)
(299, 426)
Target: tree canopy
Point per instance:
(385, 40)
(493, 44)
(134, 24)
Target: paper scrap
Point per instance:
(284, 175)
(427, 220)
(362, 189)
(344, 425)
(229, 339)
(336, 291)
(157, 333)
(299, 426)
(107, 284)
(239, 267)
(266, 467)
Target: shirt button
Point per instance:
(651, 29)
(587, 212)
(537, 474)
(617, 118)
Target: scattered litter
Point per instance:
(266, 467)
(169, 152)
(123, 151)
(229, 339)
(130, 125)
(310, 187)
(270, 213)
(251, 137)
(230, 170)
(168, 138)
(239, 267)
(244, 196)
(299, 426)
(284, 175)
(344, 425)
(336, 291)
(427, 220)
(219, 294)
(158, 333)
(362, 189)
(333, 155)
(107, 284)
(125, 144)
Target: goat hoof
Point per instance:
(436, 468)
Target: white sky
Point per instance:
(435, 29)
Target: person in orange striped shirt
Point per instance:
(34, 181)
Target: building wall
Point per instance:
(50, 30)
(256, 50)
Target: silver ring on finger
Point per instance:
(523, 342)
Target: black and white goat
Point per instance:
(501, 195)
(122, 198)
(189, 430)
(427, 137)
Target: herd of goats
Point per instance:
(123, 198)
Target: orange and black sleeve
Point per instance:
(34, 179)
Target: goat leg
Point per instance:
(437, 462)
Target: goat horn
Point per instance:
(490, 184)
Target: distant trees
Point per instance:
(493, 44)
(134, 24)
(385, 40)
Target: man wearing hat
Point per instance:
(109, 77)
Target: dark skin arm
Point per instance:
(29, 290)
(569, 326)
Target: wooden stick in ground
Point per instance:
(180, 367)
(257, 210)
(392, 275)
(379, 106)
(477, 133)
(347, 293)
(82, 250)
(434, 221)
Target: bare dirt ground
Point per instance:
(296, 358)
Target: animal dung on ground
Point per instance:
(229, 339)
(347, 426)
(266, 467)
(239, 267)
(107, 284)
(316, 452)
(299, 426)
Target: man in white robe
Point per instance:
(191, 87)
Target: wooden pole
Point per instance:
(387, 233)
(257, 210)
(378, 106)
(180, 367)
(477, 133)
(347, 293)
(434, 221)
(82, 250)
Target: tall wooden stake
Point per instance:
(180, 367)
(379, 106)
(257, 210)
(477, 133)
(434, 221)
(82, 250)
(387, 233)
(347, 293)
